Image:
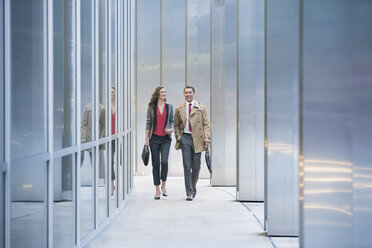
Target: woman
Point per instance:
(159, 127)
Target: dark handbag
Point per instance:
(208, 160)
(145, 154)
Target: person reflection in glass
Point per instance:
(86, 133)
(159, 128)
(113, 132)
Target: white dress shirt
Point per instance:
(186, 130)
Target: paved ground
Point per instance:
(213, 219)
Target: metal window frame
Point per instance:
(125, 132)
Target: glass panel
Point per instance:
(113, 80)
(113, 194)
(28, 122)
(64, 73)
(28, 186)
(86, 106)
(127, 161)
(87, 123)
(113, 62)
(102, 183)
(63, 204)
(120, 169)
(102, 68)
(86, 192)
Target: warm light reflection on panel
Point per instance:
(329, 179)
(326, 191)
(329, 208)
(315, 161)
(327, 169)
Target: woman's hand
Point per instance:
(169, 130)
(147, 142)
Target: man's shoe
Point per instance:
(189, 198)
(194, 194)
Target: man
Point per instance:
(192, 131)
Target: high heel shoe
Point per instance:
(164, 194)
(157, 197)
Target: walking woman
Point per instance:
(159, 128)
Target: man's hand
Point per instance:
(147, 142)
(207, 144)
(169, 130)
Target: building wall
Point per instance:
(68, 160)
(336, 117)
(181, 52)
(282, 118)
(251, 101)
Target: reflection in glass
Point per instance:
(102, 62)
(86, 192)
(86, 71)
(28, 135)
(28, 185)
(64, 73)
(63, 203)
(120, 170)
(102, 84)
(113, 176)
(87, 158)
(102, 184)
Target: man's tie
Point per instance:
(189, 117)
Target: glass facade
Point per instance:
(29, 87)
(69, 162)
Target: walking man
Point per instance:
(192, 131)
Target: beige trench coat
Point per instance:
(86, 124)
(199, 124)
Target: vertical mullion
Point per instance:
(77, 160)
(237, 99)
(130, 83)
(48, 110)
(7, 96)
(93, 86)
(265, 113)
(96, 102)
(107, 119)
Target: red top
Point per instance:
(160, 122)
(113, 130)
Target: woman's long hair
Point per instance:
(155, 95)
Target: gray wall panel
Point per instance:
(224, 83)
(198, 56)
(173, 59)
(282, 118)
(148, 67)
(327, 203)
(337, 112)
(362, 119)
(250, 183)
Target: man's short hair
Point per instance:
(189, 87)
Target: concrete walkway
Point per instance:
(212, 219)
